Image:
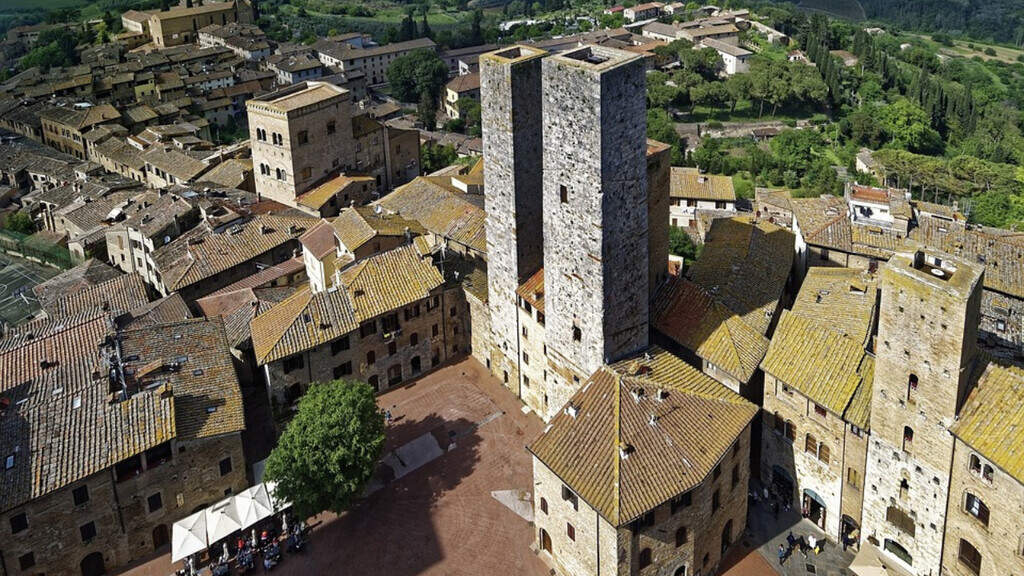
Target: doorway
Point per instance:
(814, 509)
(545, 541)
(92, 565)
(160, 537)
(726, 536)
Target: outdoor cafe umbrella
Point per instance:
(221, 520)
(253, 505)
(279, 503)
(189, 536)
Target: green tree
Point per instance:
(909, 127)
(680, 244)
(20, 222)
(469, 111)
(330, 449)
(433, 157)
(415, 73)
(426, 110)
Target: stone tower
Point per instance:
(595, 208)
(510, 91)
(925, 354)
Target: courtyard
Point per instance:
(456, 445)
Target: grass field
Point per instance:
(17, 277)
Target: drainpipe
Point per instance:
(597, 519)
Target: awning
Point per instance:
(871, 562)
(189, 536)
(253, 505)
(221, 520)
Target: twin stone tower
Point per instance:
(566, 182)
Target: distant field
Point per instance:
(12, 5)
(848, 9)
(1002, 53)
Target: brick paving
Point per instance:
(440, 519)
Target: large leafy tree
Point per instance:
(415, 73)
(330, 449)
(909, 127)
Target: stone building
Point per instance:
(141, 448)
(817, 390)
(390, 318)
(510, 82)
(595, 218)
(145, 223)
(692, 191)
(63, 126)
(628, 481)
(299, 135)
(925, 357)
(984, 533)
(181, 24)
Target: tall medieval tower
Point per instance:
(510, 91)
(925, 353)
(595, 208)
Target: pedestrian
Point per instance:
(387, 417)
(791, 540)
(782, 554)
(803, 547)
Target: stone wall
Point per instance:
(659, 170)
(479, 328)
(1001, 542)
(595, 206)
(511, 120)
(855, 456)
(595, 538)
(927, 330)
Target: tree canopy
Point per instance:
(415, 73)
(330, 449)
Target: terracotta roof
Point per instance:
(992, 419)
(320, 195)
(442, 211)
(689, 315)
(533, 290)
(29, 355)
(119, 294)
(238, 307)
(464, 83)
(201, 253)
(369, 288)
(319, 239)
(208, 400)
(61, 427)
(745, 265)
(691, 184)
(843, 299)
(662, 460)
(299, 95)
(358, 225)
(88, 273)
(1001, 254)
(825, 222)
(266, 277)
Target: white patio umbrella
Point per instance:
(253, 505)
(221, 520)
(189, 536)
(279, 504)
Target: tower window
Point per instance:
(975, 507)
(563, 193)
(908, 438)
(969, 556)
(645, 558)
(577, 334)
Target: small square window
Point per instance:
(80, 495)
(155, 502)
(563, 193)
(87, 531)
(18, 523)
(570, 531)
(26, 561)
(303, 137)
(225, 466)
(820, 411)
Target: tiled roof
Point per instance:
(30, 355)
(858, 412)
(440, 210)
(1001, 254)
(992, 419)
(689, 315)
(691, 184)
(174, 162)
(119, 294)
(267, 276)
(88, 273)
(67, 429)
(358, 225)
(843, 299)
(320, 195)
(163, 311)
(208, 400)
(533, 290)
(464, 83)
(663, 460)
(239, 307)
(319, 239)
(201, 253)
(745, 265)
(371, 287)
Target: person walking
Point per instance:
(782, 554)
(387, 417)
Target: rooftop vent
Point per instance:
(653, 420)
(662, 395)
(625, 450)
(572, 410)
(638, 394)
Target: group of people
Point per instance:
(810, 543)
(263, 548)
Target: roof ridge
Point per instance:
(616, 457)
(303, 290)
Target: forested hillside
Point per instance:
(998, 20)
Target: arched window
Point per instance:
(823, 453)
(986, 472)
(544, 505)
(371, 357)
(791, 430)
(969, 556)
(414, 339)
(974, 464)
(893, 547)
(908, 438)
(681, 536)
(904, 489)
(279, 173)
(645, 558)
